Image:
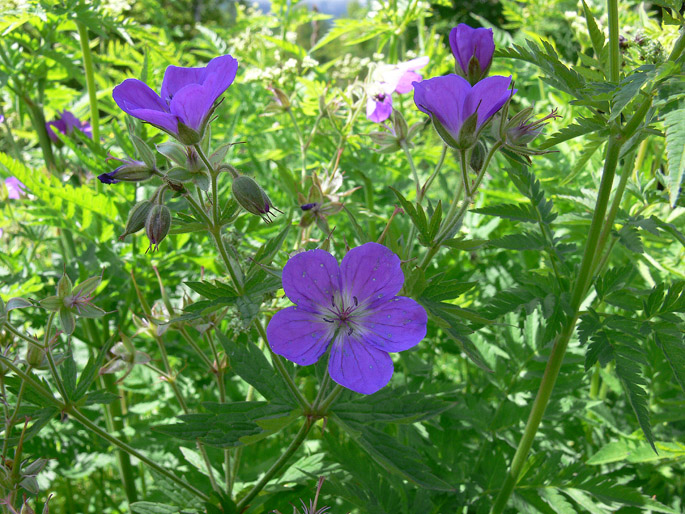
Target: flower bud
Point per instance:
(137, 217)
(157, 225)
(35, 356)
(252, 197)
(130, 171)
(477, 156)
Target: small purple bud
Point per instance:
(130, 171)
(308, 206)
(473, 50)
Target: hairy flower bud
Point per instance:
(478, 156)
(35, 356)
(137, 217)
(130, 171)
(157, 225)
(252, 197)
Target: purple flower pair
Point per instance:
(15, 188)
(351, 308)
(187, 96)
(392, 79)
(66, 123)
(460, 105)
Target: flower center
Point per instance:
(340, 313)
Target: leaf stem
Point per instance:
(90, 80)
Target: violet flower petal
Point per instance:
(443, 97)
(15, 188)
(220, 75)
(50, 126)
(177, 77)
(488, 96)
(379, 110)
(396, 325)
(298, 335)
(137, 99)
(404, 84)
(70, 121)
(311, 279)
(371, 272)
(359, 367)
(189, 105)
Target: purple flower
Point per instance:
(65, 123)
(472, 49)
(187, 95)
(353, 308)
(14, 188)
(450, 101)
(392, 79)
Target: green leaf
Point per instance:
(397, 458)
(229, 425)
(100, 397)
(613, 452)
(68, 372)
(674, 123)
(629, 89)
(250, 363)
(391, 406)
(628, 359)
(89, 373)
(268, 250)
(596, 35)
(523, 241)
(153, 508)
(669, 338)
(515, 212)
(417, 215)
(581, 127)
(287, 46)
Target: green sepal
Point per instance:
(52, 303)
(67, 320)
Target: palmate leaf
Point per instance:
(392, 406)
(397, 458)
(671, 341)
(515, 212)
(629, 89)
(229, 425)
(581, 127)
(523, 241)
(545, 57)
(674, 123)
(153, 508)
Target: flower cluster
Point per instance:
(353, 309)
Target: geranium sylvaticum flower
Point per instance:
(353, 309)
(187, 99)
(15, 188)
(392, 79)
(473, 50)
(457, 109)
(65, 123)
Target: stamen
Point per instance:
(349, 333)
(356, 302)
(333, 301)
(328, 320)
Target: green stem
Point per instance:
(614, 50)
(412, 166)
(303, 148)
(196, 348)
(437, 168)
(276, 466)
(9, 424)
(90, 80)
(323, 407)
(559, 349)
(51, 362)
